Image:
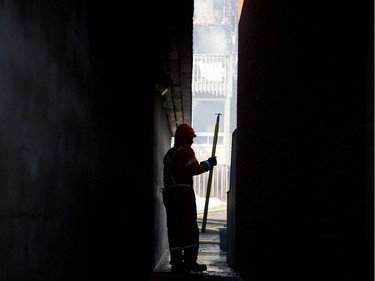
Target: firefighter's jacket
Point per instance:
(180, 165)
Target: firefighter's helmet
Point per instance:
(184, 132)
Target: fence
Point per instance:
(219, 185)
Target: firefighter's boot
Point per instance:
(176, 261)
(190, 260)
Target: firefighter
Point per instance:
(180, 165)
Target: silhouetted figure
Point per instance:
(180, 165)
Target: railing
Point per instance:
(219, 185)
(210, 74)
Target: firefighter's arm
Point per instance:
(197, 168)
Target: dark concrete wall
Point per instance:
(78, 195)
(162, 137)
(48, 141)
(305, 141)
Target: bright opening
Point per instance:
(214, 90)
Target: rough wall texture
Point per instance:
(162, 143)
(76, 146)
(46, 145)
(304, 141)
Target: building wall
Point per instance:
(304, 141)
(78, 179)
(162, 137)
(48, 142)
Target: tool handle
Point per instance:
(209, 183)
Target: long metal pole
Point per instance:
(204, 222)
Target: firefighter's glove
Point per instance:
(212, 161)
